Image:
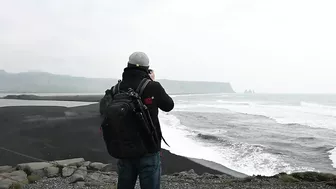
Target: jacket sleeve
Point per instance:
(164, 101)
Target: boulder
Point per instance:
(97, 166)
(5, 168)
(98, 177)
(8, 179)
(51, 172)
(41, 173)
(5, 183)
(31, 167)
(33, 178)
(86, 164)
(69, 162)
(108, 168)
(79, 175)
(68, 171)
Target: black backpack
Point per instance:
(127, 127)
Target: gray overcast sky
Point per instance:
(266, 45)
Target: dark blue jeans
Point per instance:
(148, 168)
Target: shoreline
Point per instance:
(219, 167)
(92, 98)
(88, 111)
(48, 133)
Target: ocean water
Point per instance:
(255, 133)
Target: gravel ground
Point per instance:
(58, 183)
(175, 182)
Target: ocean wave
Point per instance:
(316, 105)
(332, 157)
(319, 108)
(246, 158)
(283, 114)
(323, 149)
(302, 112)
(254, 159)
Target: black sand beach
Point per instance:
(51, 133)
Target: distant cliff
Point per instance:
(41, 82)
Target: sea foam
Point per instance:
(332, 156)
(241, 157)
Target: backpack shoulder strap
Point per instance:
(164, 140)
(116, 88)
(142, 86)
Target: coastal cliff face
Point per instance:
(41, 82)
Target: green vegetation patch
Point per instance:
(33, 178)
(314, 176)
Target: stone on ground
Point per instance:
(86, 164)
(68, 171)
(79, 175)
(69, 162)
(5, 168)
(97, 166)
(8, 179)
(52, 172)
(33, 166)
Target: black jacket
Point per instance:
(156, 96)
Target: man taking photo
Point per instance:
(134, 149)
